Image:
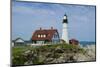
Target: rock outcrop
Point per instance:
(55, 54)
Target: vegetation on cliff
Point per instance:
(47, 54)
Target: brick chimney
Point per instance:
(51, 28)
(40, 28)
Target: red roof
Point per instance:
(74, 41)
(48, 32)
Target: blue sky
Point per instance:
(28, 17)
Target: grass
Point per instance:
(39, 54)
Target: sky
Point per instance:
(30, 16)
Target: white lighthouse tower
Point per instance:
(65, 29)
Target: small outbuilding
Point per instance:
(18, 42)
(73, 42)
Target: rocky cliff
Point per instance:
(48, 54)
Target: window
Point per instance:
(55, 36)
(44, 35)
(38, 35)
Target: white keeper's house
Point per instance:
(43, 36)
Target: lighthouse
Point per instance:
(65, 29)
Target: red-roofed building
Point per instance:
(43, 36)
(73, 42)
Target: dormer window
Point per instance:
(38, 35)
(41, 35)
(44, 35)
